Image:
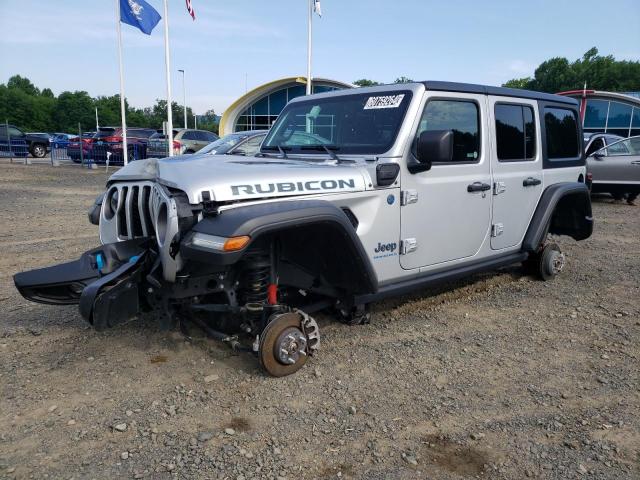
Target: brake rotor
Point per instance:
(286, 343)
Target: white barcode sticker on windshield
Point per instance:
(388, 101)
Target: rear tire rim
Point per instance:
(556, 262)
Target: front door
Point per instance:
(447, 209)
(618, 164)
(516, 159)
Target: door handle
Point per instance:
(636, 162)
(531, 182)
(478, 187)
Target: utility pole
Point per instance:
(184, 97)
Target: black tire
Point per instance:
(38, 150)
(359, 315)
(189, 152)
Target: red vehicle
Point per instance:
(107, 143)
(73, 147)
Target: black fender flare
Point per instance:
(258, 220)
(564, 209)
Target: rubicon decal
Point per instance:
(291, 187)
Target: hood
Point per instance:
(229, 177)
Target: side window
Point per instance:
(460, 116)
(209, 137)
(561, 128)
(250, 147)
(619, 148)
(515, 132)
(14, 132)
(596, 145)
(188, 136)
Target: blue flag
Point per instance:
(139, 14)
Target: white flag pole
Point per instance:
(309, 32)
(123, 114)
(167, 61)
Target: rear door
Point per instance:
(516, 160)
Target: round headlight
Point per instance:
(111, 203)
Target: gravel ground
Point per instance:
(500, 376)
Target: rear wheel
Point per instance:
(550, 262)
(38, 150)
(286, 343)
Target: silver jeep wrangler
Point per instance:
(355, 196)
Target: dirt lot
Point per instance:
(500, 376)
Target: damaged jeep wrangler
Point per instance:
(355, 195)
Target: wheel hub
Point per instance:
(290, 346)
(557, 262)
(287, 342)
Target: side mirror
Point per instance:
(434, 146)
(597, 155)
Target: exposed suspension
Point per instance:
(256, 275)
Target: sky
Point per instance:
(237, 44)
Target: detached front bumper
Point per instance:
(104, 282)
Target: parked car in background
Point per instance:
(62, 137)
(615, 169)
(73, 147)
(240, 143)
(37, 144)
(50, 136)
(108, 140)
(185, 141)
(157, 145)
(595, 141)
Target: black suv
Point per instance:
(38, 145)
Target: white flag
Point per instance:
(316, 7)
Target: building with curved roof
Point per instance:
(608, 112)
(259, 108)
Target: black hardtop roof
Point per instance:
(501, 91)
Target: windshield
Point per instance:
(224, 144)
(363, 123)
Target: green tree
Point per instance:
(365, 82)
(597, 71)
(209, 121)
(24, 84)
(403, 80)
(519, 83)
(73, 108)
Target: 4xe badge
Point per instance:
(384, 250)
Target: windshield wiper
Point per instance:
(330, 149)
(281, 148)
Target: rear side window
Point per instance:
(189, 136)
(515, 132)
(459, 116)
(561, 127)
(208, 136)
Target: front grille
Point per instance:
(144, 209)
(134, 212)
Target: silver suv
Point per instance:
(185, 141)
(356, 195)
